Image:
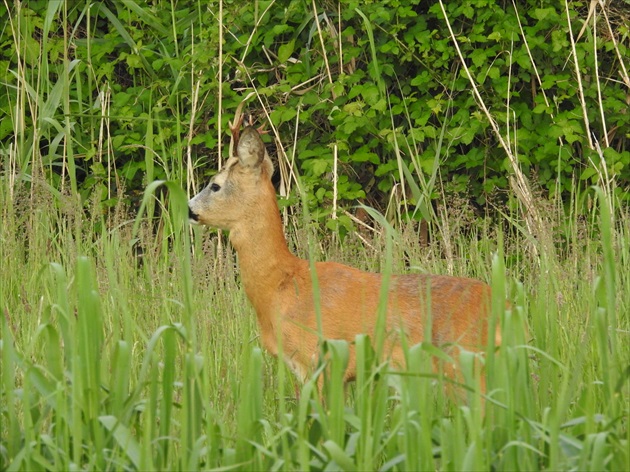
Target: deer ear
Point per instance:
(250, 150)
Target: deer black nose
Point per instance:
(192, 215)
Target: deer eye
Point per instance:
(215, 187)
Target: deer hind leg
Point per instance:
(323, 365)
(465, 375)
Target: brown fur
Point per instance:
(279, 284)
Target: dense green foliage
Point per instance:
(121, 92)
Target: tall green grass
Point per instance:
(111, 360)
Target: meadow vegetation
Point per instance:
(115, 360)
(127, 342)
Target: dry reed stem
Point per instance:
(519, 182)
(623, 72)
(220, 97)
(598, 82)
(321, 41)
(578, 76)
(195, 86)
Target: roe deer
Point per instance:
(242, 200)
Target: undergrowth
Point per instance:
(114, 360)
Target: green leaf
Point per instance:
(495, 36)
(318, 166)
(542, 13)
(124, 438)
(479, 57)
(339, 456)
(285, 51)
(145, 15)
(588, 173)
(365, 156)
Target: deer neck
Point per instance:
(264, 259)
